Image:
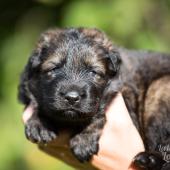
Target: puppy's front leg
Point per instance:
(86, 144)
(37, 131)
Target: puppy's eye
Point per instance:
(95, 74)
(52, 70)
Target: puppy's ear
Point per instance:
(43, 46)
(112, 54)
(34, 62)
(97, 36)
(114, 62)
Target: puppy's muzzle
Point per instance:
(73, 97)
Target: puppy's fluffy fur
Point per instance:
(72, 76)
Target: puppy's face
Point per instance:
(70, 70)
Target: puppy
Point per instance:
(72, 76)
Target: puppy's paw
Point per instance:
(84, 146)
(37, 133)
(148, 161)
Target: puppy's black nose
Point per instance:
(72, 97)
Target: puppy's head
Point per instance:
(69, 71)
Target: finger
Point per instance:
(28, 112)
(117, 113)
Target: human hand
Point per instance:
(119, 142)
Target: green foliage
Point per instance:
(130, 23)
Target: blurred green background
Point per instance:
(136, 24)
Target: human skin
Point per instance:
(119, 143)
(120, 140)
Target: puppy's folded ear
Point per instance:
(114, 61)
(43, 48)
(112, 55)
(34, 62)
(23, 88)
(97, 36)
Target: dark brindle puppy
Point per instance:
(72, 76)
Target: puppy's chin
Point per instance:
(70, 113)
(60, 115)
(74, 116)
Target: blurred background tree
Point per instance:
(131, 23)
